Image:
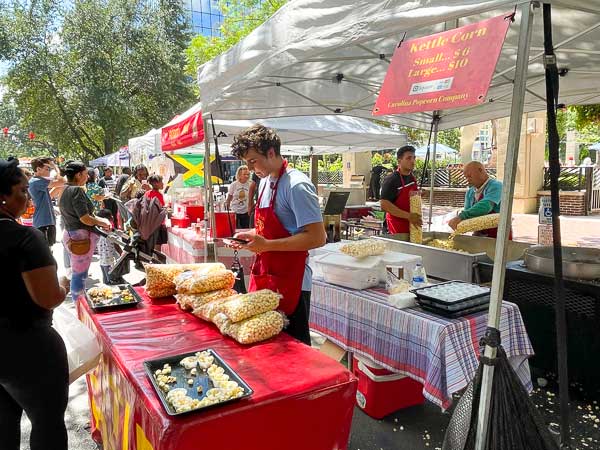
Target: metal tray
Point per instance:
(116, 302)
(578, 262)
(456, 294)
(454, 314)
(201, 379)
(457, 306)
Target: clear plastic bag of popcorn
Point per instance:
(244, 306)
(209, 310)
(478, 224)
(189, 302)
(160, 277)
(416, 231)
(204, 280)
(255, 329)
(364, 248)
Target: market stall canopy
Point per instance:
(148, 144)
(119, 158)
(595, 146)
(325, 134)
(321, 132)
(441, 149)
(314, 57)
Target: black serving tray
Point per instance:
(454, 314)
(116, 302)
(456, 306)
(427, 293)
(201, 379)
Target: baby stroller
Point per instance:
(143, 218)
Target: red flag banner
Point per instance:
(445, 70)
(184, 133)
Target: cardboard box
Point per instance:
(332, 350)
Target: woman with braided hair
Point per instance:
(34, 375)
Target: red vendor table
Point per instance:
(302, 399)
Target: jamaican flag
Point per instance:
(191, 165)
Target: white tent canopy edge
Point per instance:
(315, 57)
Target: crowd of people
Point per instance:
(30, 202)
(282, 200)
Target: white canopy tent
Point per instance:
(316, 57)
(142, 146)
(325, 134)
(120, 158)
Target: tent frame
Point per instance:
(508, 189)
(521, 83)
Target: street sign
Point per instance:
(545, 212)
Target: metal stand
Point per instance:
(514, 135)
(559, 285)
(436, 121)
(209, 207)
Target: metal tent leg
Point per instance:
(436, 121)
(508, 188)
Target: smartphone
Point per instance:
(231, 240)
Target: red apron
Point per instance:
(279, 271)
(396, 224)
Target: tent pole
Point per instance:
(508, 188)
(209, 207)
(436, 121)
(314, 168)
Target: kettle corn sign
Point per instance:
(444, 70)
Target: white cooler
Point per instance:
(347, 271)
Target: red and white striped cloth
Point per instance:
(440, 353)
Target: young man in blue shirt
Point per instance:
(288, 224)
(39, 189)
(482, 198)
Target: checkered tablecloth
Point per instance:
(440, 353)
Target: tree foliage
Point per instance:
(17, 142)
(586, 115)
(88, 75)
(241, 18)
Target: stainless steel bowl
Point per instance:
(578, 262)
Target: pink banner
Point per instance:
(445, 70)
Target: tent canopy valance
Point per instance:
(315, 57)
(299, 135)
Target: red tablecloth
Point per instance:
(302, 399)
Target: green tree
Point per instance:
(89, 75)
(17, 142)
(241, 18)
(586, 115)
(450, 137)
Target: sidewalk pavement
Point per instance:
(577, 231)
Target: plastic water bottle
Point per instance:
(419, 278)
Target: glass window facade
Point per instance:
(205, 16)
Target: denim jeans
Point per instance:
(80, 264)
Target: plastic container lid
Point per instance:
(342, 260)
